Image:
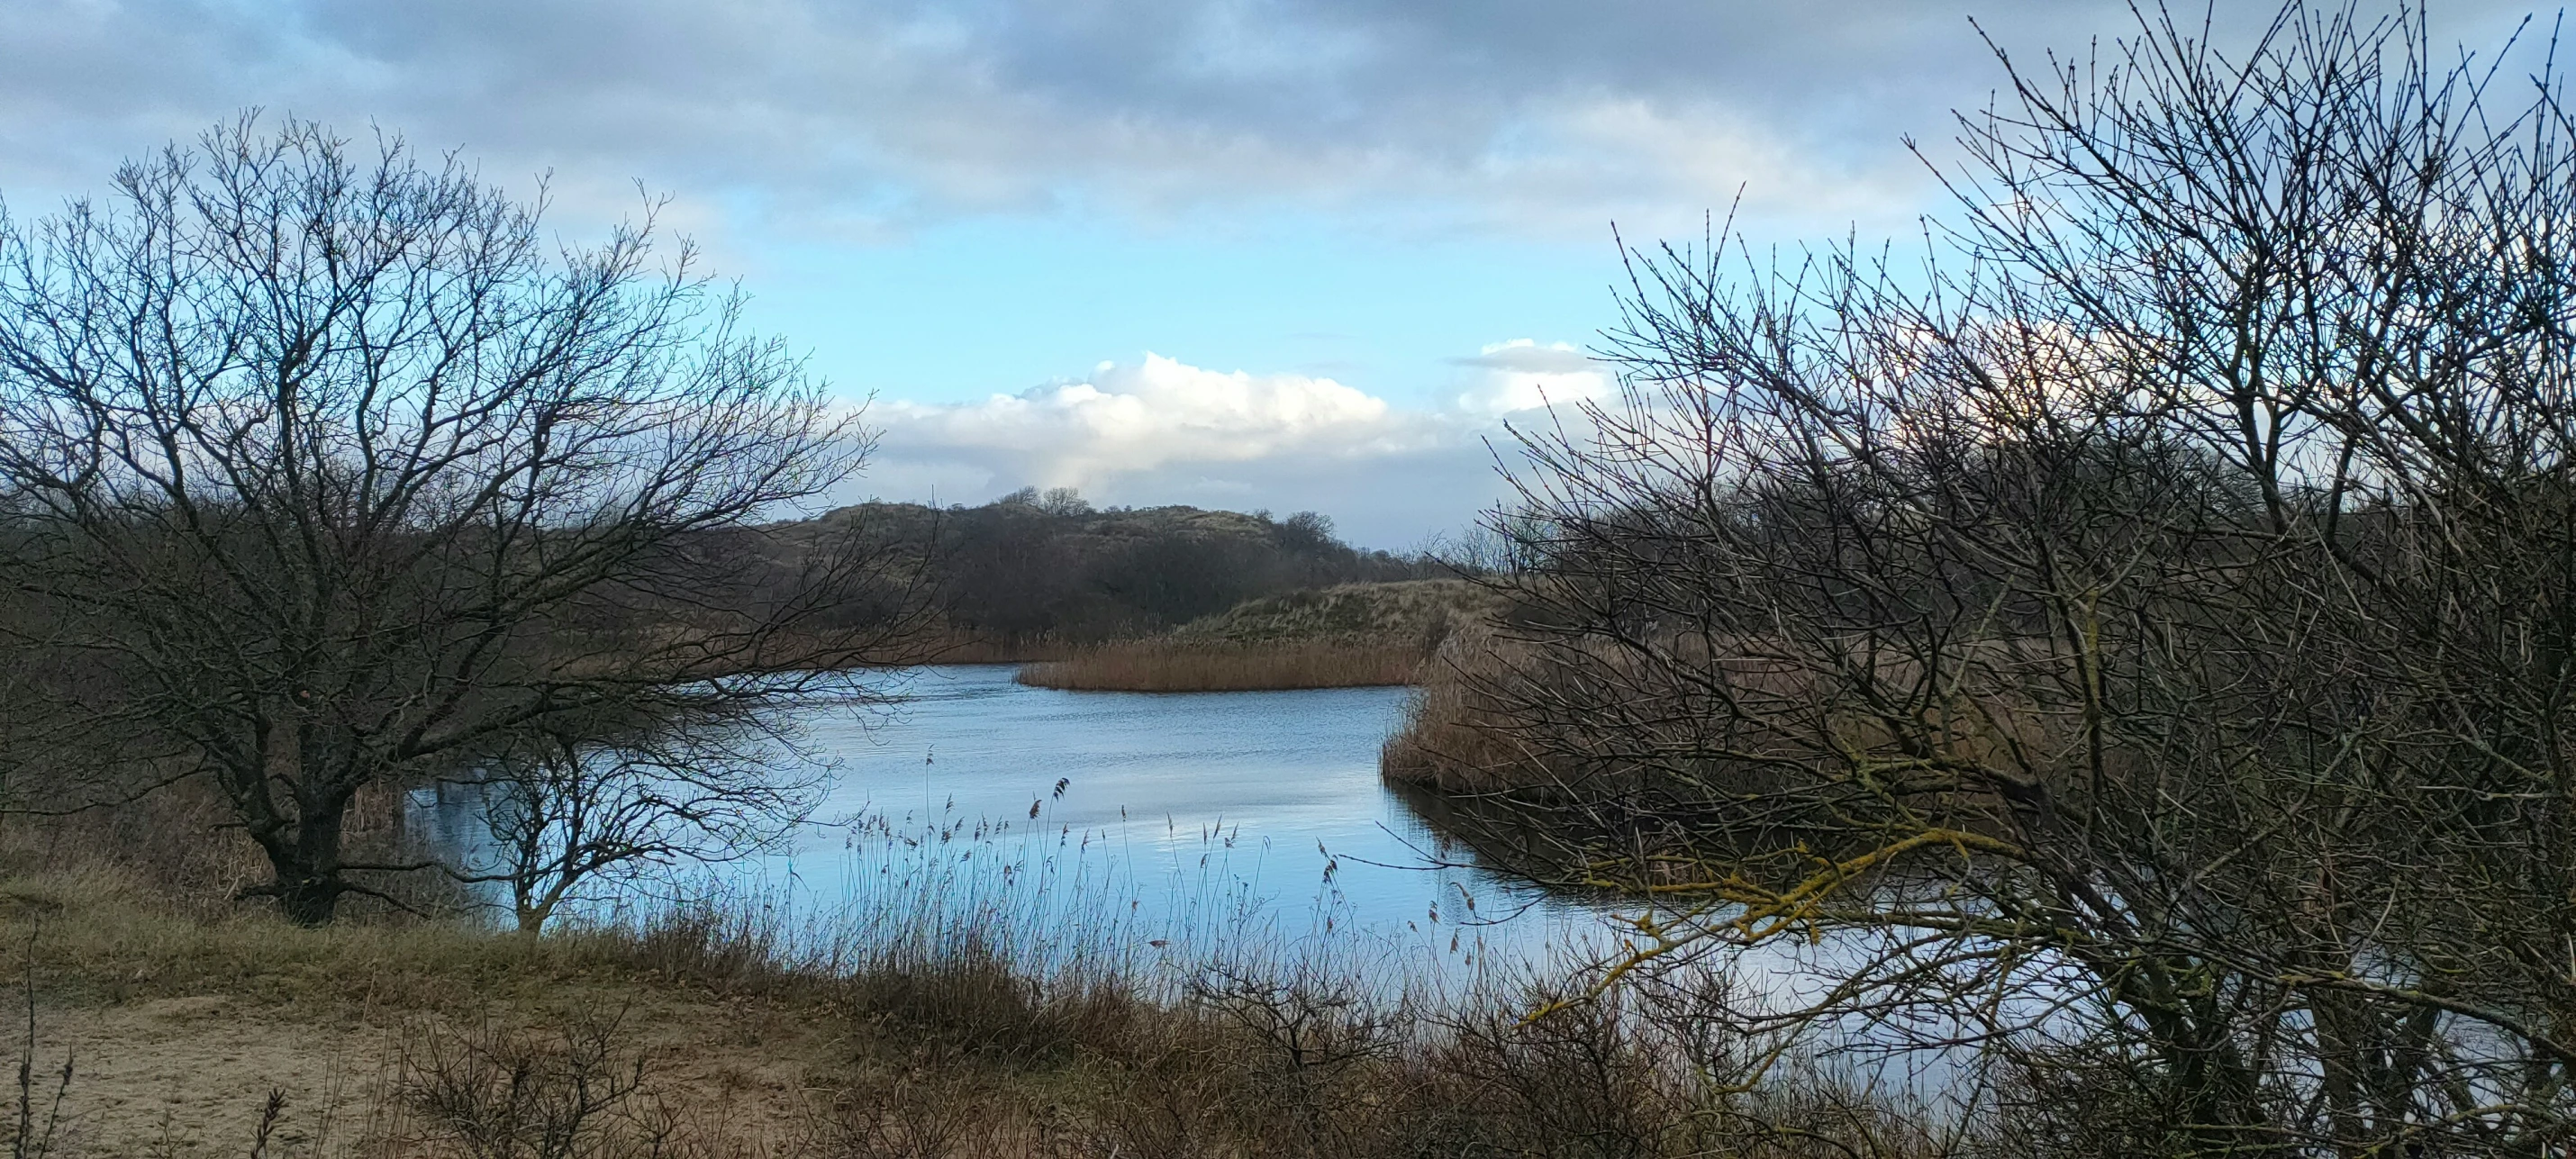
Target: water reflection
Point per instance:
(1190, 825)
(1168, 820)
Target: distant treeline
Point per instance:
(1036, 568)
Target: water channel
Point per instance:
(1172, 822)
(1159, 829)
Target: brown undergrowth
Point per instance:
(1178, 666)
(1346, 636)
(1454, 738)
(193, 1027)
(965, 648)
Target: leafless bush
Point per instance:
(1573, 1083)
(37, 1122)
(912, 1115)
(1172, 1102)
(1636, 1070)
(1312, 1065)
(590, 809)
(493, 1093)
(2132, 649)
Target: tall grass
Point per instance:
(986, 999)
(976, 1013)
(1453, 738)
(964, 648)
(1176, 666)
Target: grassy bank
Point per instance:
(1348, 636)
(1176, 666)
(1416, 613)
(975, 650)
(198, 1030)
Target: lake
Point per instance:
(1097, 821)
(1188, 825)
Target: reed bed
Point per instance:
(1167, 666)
(1453, 738)
(964, 648)
(938, 1027)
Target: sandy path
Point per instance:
(191, 1076)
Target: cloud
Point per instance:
(1520, 116)
(1520, 375)
(1163, 431)
(1125, 419)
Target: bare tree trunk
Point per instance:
(307, 879)
(409, 486)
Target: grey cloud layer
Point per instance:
(1518, 116)
(1518, 113)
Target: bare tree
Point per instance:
(2135, 646)
(327, 470)
(570, 814)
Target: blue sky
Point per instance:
(957, 309)
(1280, 254)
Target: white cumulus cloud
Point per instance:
(1128, 418)
(1522, 374)
(1163, 431)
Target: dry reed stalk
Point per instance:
(1165, 667)
(968, 648)
(936, 1052)
(1453, 739)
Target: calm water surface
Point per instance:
(1188, 822)
(1161, 826)
(1183, 820)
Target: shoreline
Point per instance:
(200, 1030)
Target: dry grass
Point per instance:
(1350, 636)
(199, 1029)
(1179, 666)
(1417, 612)
(962, 648)
(1453, 739)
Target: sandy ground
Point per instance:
(191, 1076)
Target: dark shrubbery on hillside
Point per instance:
(1049, 568)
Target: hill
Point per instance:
(1398, 612)
(1348, 635)
(1035, 574)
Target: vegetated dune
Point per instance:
(1349, 635)
(1416, 613)
(1168, 666)
(1029, 576)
